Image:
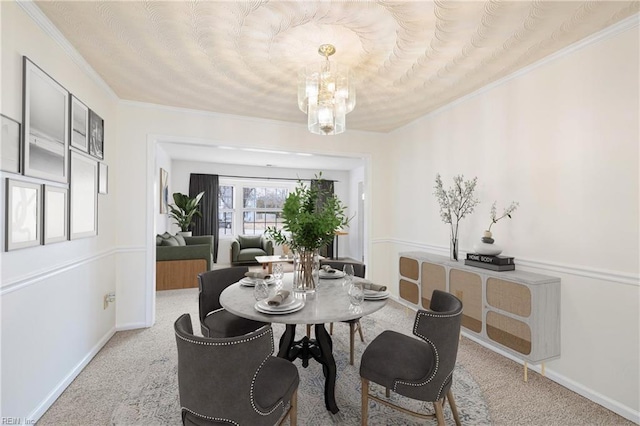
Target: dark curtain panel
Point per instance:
(208, 223)
(325, 187)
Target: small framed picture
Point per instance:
(103, 179)
(164, 191)
(24, 214)
(10, 146)
(45, 125)
(56, 214)
(96, 135)
(79, 125)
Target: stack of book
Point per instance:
(494, 263)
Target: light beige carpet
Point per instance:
(126, 381)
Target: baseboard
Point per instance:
(606, 402)
(131, 326)
(602, 400)
(57, 391)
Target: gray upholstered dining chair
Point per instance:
(421, 368)
(354, 324)
(233, 380)
(215, 321)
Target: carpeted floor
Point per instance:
(132, 381)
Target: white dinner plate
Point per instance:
(251, 282)
(375, 295)
(288, 303)
(331, 275)
(263, 306)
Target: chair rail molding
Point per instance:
(30, 279)
(594, 273)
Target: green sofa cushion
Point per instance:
(171, 242)
(249, 255)
(180, 240)
(250, 241)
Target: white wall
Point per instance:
(51, 297)
(562, 139)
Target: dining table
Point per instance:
(328, 303)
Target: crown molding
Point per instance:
(34, 12)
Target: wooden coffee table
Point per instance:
(268, 261)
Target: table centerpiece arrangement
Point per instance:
(311, 215)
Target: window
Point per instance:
(250, 206)
(262, 208)
(225, 210)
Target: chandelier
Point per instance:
(326, 94)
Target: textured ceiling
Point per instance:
(243, 57)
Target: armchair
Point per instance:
(245, 248)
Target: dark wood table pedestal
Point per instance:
(320, 349)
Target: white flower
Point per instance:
(506, 213)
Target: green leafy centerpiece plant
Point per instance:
(184, 210)
(310, 218)
(455, 203)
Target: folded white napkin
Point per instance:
(368, 285)
(328, 269)
(279, 297)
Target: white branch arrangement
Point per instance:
(506, 213)
(455, 203)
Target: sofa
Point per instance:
(180, 259)
(245, 248)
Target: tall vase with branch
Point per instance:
(455, 203)
(310, 218)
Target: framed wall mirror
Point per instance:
(56, 214)
(24, 214)
(83, 196)
(10, 145)
(45, 125)
(79, 125)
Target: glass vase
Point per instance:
(306, 268)
(453, 249)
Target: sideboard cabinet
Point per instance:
(516, 311)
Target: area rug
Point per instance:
(153, 398)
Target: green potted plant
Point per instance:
(310, 218)
(184, 210)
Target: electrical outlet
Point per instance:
(109, 298)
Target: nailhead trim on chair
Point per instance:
(435, 349)
(253, 380)
(443, 383)
(197, 342)
(397, 382)
(211, 418)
